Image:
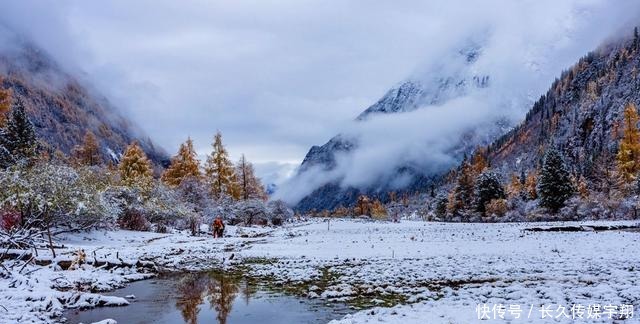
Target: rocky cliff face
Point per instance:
(62, 109)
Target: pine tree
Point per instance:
(220, 173)
(184, 165)
(89, 152)
(5, 104)
(554, 183)
(19, 137)
(636, 42)
(629, 147)
(487, 188)
(135, 168)
(250, 186)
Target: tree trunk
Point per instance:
(53, 251)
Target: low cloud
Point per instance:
(279, 76)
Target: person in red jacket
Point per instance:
(218, 227)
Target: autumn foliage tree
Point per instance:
(363, 206)
(462, 194)
(5, 104)
(220, 172)
(250, 186)
(89, 152)
(135, 168)
(378, 210)
(183, 165)
(479, 162)
(629, 150)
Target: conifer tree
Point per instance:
(487, 188)
(220, 173)
(250, 186)
(554, 183)
(19, 137)
(135, 168)
(89, 152)
(629, 148)
(184, 165)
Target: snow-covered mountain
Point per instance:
(454, 79)
(435, 88)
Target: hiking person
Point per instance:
(218, 227)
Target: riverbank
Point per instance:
(38, 293)
(409, 271)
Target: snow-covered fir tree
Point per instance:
(487, 188)
(19, 137)
(554, 184)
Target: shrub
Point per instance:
(9, 219)
(497, 207)
(134, 220)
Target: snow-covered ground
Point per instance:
(426, 272)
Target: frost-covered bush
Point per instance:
(496, 207)
(440, 205)
(279, 212)
(134, 219)
(166, 206)
(55, 196)
(250, 212)
(138, 210)
(9, 219)
(627, 208)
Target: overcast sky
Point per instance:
(278, 76)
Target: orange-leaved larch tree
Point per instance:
(183, 165)
(629, 148)
(135, 168)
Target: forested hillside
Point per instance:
(63, 110)
(576, 155)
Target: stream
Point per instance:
(209, 297)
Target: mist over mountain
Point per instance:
(62, 107)
(475, 91)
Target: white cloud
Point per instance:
(279, 76)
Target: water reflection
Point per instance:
(209, 298)
(217, 288)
